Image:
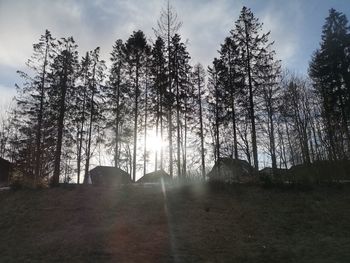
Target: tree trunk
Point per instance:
(235, 146)
(88, 150)
(283, 157)
(201, 125)
(40, 120)
(290, 145)
(80, 146)
(170, 143)
(184, 151)
(217, 144)
(170, 106)
(251, 104)
(178, 128)
(272, 141)
(157, 130)
(161, 135)
(135, 121)
(81, 131)
(60, 126)
(117, 120)
(145, 131)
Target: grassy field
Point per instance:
(197, 223)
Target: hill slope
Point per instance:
(187, 224)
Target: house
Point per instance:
(269, 171)
(230, 170)
(5, 171)
(155, 177)
(109, 175)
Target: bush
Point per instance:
(22, 182)
(266, 180)
(320, 172)
(16, 183)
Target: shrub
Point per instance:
(16, 183)
(22, 182)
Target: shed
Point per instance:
(155, 177)
(5, 171)
(109, 175)
(269, 171)
(230, 170)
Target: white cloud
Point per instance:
(99, 23)
(206, 25)
(284, 24)
(22, 23)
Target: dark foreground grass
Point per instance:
(197, 223)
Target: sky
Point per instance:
(295, 27)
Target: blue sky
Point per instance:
(295, 27)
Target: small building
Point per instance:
(155, 177)
(109, 175)
(269, 171)
(5, 171)
(230, 170)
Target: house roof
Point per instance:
(154, 176)
(228, 167)
(109, 175)
(4, 161)
(233, 162)
(108, 170)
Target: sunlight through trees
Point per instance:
(154, 108)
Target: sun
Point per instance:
(154, 142)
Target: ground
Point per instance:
(197, 223)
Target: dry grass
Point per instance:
(191, 224)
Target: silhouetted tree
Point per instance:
(329, 70)
(115, 97)
(296, 111)
(216, 102)
(270, 100)
(199, 82)
(159, 78)
(94, 91)
(254, 51)
(137, 52)
(62, 80)
(32, 102)
(232, 77)
(168, 26)
(146, 109)
(179, 75)
(81, 108)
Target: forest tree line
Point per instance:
(70, 109)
